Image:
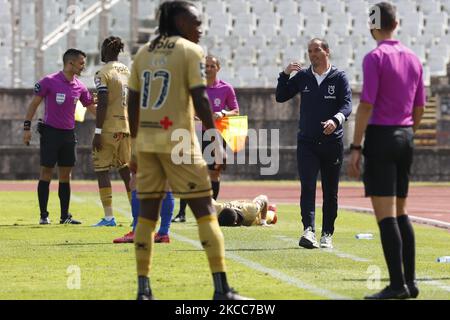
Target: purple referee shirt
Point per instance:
(393, 84)
(221, 96)
(61, 97)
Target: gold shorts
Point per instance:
(115, 152)
(187, 181)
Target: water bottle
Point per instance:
(360, 236)
(444, 259)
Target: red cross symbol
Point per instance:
(166, 123)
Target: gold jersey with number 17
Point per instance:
(164, 77)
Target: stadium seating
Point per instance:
(261, 34)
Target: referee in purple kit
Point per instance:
(391, 108)
(61, 92)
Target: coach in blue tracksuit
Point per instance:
(326, 102)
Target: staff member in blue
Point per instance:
(326, 102)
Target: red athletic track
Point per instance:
(429, 202)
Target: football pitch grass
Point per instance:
(42, 262)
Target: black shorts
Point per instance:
(388, 155)
(206, 143)
(57, 147)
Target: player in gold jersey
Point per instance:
(111, 143)
(167, 83)
(246, 212)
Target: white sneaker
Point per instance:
(308, 240)
(326, 241)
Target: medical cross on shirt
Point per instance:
(166, 123)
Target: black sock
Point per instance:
(220, 282)
(64, 198)
(392, 247)
(43, 192)
(216, 188)
(182, 211)
(409, 247)
(144, 285)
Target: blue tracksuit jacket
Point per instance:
(318, 103)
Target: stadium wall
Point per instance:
(20, 162)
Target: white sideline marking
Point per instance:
(258, 267)
(99, 203)
(272, 272)
(123, 212)
(435, 283)
(428, 221)
(275, 273)
(76, 198)
(334, 251)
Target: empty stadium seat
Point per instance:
(268, 33)
(236, 7)
(316, 25)
(218, 30)
(310, 7)
(262, 7)
(294, 53)
(343, 52)
(291, 18)
(438, 66)
(209, 41)
(420, 50)
(430, 7)
(266, 58)
(248, 75)
(405, 7)
(271, 72)
(269, 17)
(286, 6)
(437, 25)
(214, 6)
(244, 55)
(334, 7)
(358, 7)
(340, 25)
(258, 42)
(280, 42)
(244, 24)
(292, 30)
(227, 74)
(412, 24)
(219, 18)
(224, 53)
(146, 9)
(267, 29)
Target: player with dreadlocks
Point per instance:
(167, 83)
(111, 143)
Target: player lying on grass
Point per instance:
(246, 212)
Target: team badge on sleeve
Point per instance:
(37, 87)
